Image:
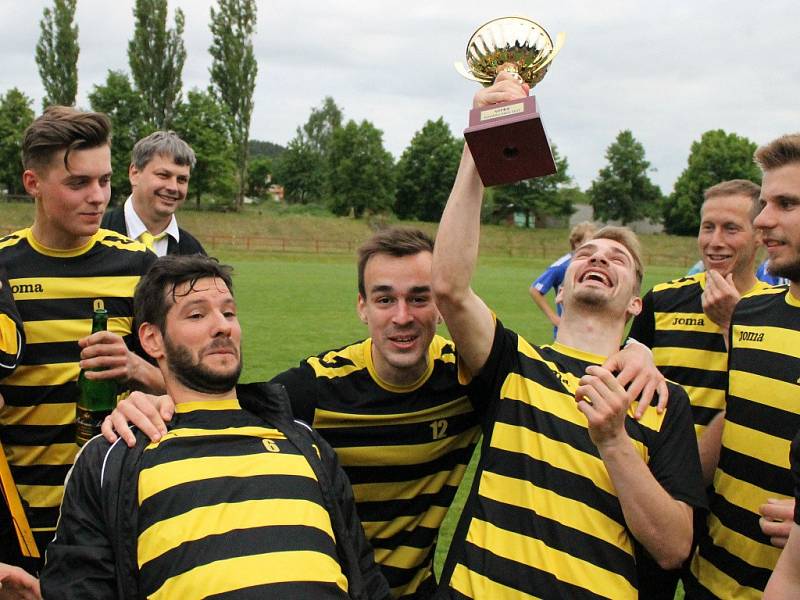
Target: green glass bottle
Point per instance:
(96, 398)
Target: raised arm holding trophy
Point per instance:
(507, 140)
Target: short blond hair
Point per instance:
(778, 153)
(582, 231)
(737, 187)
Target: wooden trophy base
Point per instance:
(508, 142)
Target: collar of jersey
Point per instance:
(388, 386)
(187, 407)
(579, 354)
(791, 300)
(42, 249)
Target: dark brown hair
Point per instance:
(782, 151)
(394, 241)
(62, 128)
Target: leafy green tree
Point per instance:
(321, 124)
(302, 172)
(622, 190)
(361, 171)
(233, 75)
(259, 176)
(425, 172)
(717, 157)
(156, 56)
(202, 123)
(539, 196)
(125, 107)
(57, 53)
(15, 116)
(262, 148)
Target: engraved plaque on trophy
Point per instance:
(507, 140)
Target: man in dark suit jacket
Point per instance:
(161, 165)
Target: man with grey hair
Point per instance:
(161, 165)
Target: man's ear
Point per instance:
(151, 340)
(361, 309)
(30, 180)
(133, 174)
(635, 306)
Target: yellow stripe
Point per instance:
(558, 454)
(750, 386)
(475, 585)
(156, 479)
(412, 454)
(776, 340)
(401, 557)
(43, 332)
(41, 414)
(536, 554)
(682, 282)
(750, 551)
(759, 445)
(248, 431)
(52, 374)
(705, 397)
(719, 583)
(41, 496)
(8, 335)
(248, 571)
(65, 288)
(22, 529)
(691, 322)
(132, 246)
(407, 490)
(742, 493)
(563, 406)
(54, 454)
(431, 518)
(707, 360)
(221, 518)
(550, 505)
(336, 420)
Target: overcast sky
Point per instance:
(667, 70)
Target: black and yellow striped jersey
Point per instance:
(688, 347)
(405, 449)
(11, 331)
(543, 519)
(735, 559)
(228, 507)
(54, 291)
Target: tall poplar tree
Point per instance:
(156, 56)
(57, 53)
(233, 75)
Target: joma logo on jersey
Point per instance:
(27, 288)
(751, 336)
(689, 321)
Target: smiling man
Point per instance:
(236, 500)
(57, 270)
(753, 500)
(569, 484)
(161, 165)
(685, 321)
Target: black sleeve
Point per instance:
(375, 584)
(12, 333)
(79, 562)
(794, 459)
(643, 328)
(674, 458)
(301, 385)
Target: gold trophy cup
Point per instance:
(507, 140)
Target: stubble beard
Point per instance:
(195, 375)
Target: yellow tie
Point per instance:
(148, 239)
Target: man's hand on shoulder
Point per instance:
(149, 413)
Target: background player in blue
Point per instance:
(552, 278)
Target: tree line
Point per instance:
(341, 165)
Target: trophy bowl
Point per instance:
(507, 140)
(518, 42)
